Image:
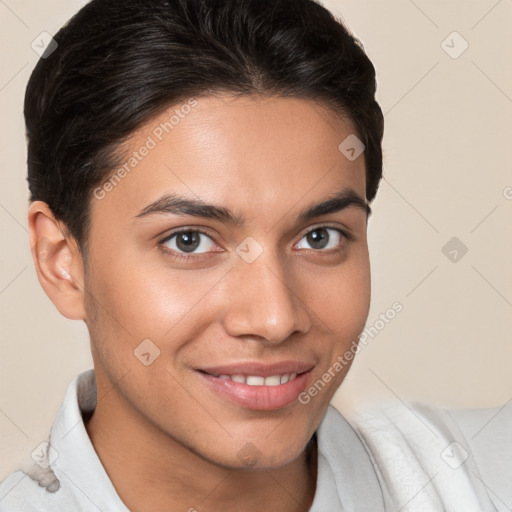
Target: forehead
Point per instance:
(250, 152)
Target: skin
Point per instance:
(166, 440)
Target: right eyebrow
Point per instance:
(179, 205)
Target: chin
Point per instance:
(249, 455)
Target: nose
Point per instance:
(264, 301)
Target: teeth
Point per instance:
(272, 381)
(256, 380)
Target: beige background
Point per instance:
(448, 172)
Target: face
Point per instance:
(217, 294)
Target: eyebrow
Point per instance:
(180, 205)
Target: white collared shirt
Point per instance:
(373, 470)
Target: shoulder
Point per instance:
(423, 457)
(346, 474)
(19, 492)
(34, 486)
(489, 436)
(486, 429)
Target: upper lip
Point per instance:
(259, 369)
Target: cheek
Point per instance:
(341, 298)
(341, 306)
(135, 301)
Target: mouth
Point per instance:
(258, 387)
(258, 380)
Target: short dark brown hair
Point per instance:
(121, 62)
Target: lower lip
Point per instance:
(261, 398)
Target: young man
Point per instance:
(200, 175)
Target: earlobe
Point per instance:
(58, 261)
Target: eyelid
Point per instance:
(178, 255)
(177, 231)
(345, 232)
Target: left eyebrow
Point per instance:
(342, 200)
(180, 205)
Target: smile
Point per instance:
(257, 380)
(256, 386)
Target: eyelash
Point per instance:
(180, 255)
(346, 237)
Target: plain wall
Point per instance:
(448, 173)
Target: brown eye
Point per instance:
(322, 238)
(189, 242)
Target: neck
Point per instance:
(152, 471)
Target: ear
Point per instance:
(58, 261)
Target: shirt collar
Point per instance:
(346, 478)
(77, 464)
